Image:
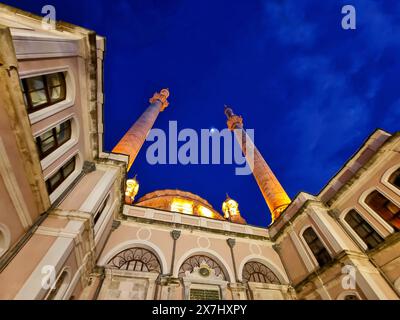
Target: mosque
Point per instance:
(72, 226)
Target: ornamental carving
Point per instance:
(257, 272)
(135, 259)
(203, 266)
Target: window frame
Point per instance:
(51, 189)
(392, 229)
(44, 154)
(354, 232)
(308, 248)
(46, 87)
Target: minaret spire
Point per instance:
(134, 138)
(274, 194)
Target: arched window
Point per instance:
(394, 178)
(136, 259)
(257, 272)
(384, 207)
(363, 229)
(199, 261)
(316, 246)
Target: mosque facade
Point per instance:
(72, 226)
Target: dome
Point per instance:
(179, 201)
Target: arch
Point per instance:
(136, 259)
(281, 275)
(307, 247)
(387, 175)
(5, 239)
(344, 294)
(136, 243)
(372, 212)
(207, 252)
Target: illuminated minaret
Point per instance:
(275, 196)
(133, 140)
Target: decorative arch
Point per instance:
(209, 253)
(136, 259)
(277, 271)
(135, 244)
(196, 261)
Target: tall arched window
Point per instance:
(316, 246)
(384, 207)
(363, 229)
(136, 259)
(254, 271)
(394, 178)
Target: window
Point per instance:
(44, 90)
(319, 251)
(363, 229)
(257, 272)
(136, 259)
(59, 177)
(394, 178)
(101, 209)
(54, 138)
(385, 208)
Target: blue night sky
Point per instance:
(312, 91)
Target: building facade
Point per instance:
(71, 228)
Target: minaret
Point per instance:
(275, 196)
(133, 140)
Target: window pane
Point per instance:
(35, 83)
(55, 93)
(384, 207)
(38, 98)
(364, 229)
(63, 132)
(53, 79)
(48, 144)
(68, 168)
(55, 180)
